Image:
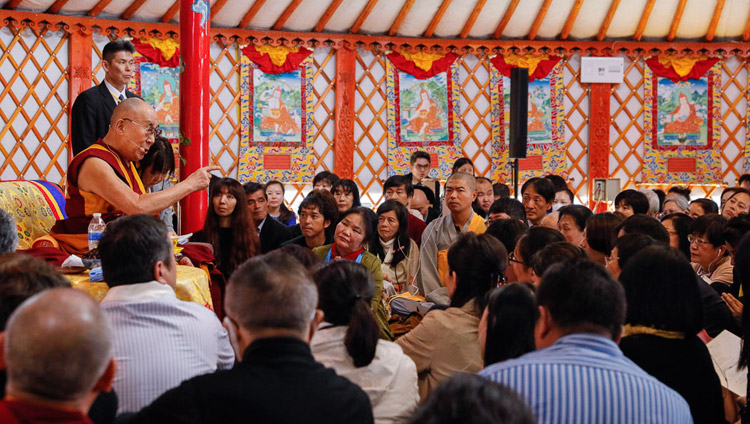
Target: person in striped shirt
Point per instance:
(579, 374)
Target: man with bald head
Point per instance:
(58, 353)
(103, 177)
(440, 234)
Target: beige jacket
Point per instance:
(721, 272)
(444, 343)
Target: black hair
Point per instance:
(284, 213)
(511, 317)
(567, 191)
(535, 240)
(303, 255)
(629, 245)
(601, 231)
(428, 193)
(479, 262)
(736, 228)
(403, 243)
(579, 213)
(742, 271)
(645, 224)
(681, 190)
(581, 296)
(500, 190)
(712, 227)
(419, 154)
(662, 197)
(113, 47)
(661, 291)
(347, 186)
(398, 181)
(511, 207)
(461, 162)
(744, 178)
(469, 398)
(559, 251)
(345, 290)
(160, 156)
(131, 246)
(369, 220)
(251, 187)
(557, 181)
(708, 205)
(543, 186)
(681, 223)
(326, 176)
(730, 190)
(635, 199)
(325, 203)
(23, 276)
(508, 231)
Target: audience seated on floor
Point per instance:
(271, 316)
(538, 195)
(271, 232)
(400, 189)
(58, 352)
(317, 220)
(158, 340)
(348, 341)
(527, 245)
(398, 253)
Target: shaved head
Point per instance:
(130, 107)
(469, 179)
(57, 345)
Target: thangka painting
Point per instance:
(681, 132)
(276, 119)
(423, 114)
(746, 164)
(545, 153)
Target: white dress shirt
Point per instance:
(160, 341)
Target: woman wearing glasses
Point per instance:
(531, 242)
(708, 252)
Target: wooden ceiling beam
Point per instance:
(13, 4)
(571, 20)
(57, 6)
(539, 19)
(286, 14)
(99, 7)
(171, 12)
(327, 15)
(472, 18)
(363, 16)
(608, 20)
(506, 18)
(644, 20)
(251, 13)
(715, 20)
(746, 33)
(400, 18)
(436, 19)
(676, 20)
(130, 11)
(218, 6)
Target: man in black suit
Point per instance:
(271, 316)
(93, 108)
(271, 232)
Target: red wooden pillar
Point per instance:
(599, 120)
(194, 98)
(80, 73)
(343, 144)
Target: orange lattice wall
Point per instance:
(34, 99)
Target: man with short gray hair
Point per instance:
(8, 232)
(271, 316)
(58, 350)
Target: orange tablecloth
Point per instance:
(192, 285)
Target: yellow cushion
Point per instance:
(34, 217)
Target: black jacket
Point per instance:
(89, 120)
(272, 234)
(278, 381)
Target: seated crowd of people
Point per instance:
(448, 303)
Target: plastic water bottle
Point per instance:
(96, 228)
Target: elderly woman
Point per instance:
(447, 341)
(675, 204)
(572, 222)
(708, 252)
(353, 232)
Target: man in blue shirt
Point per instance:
(579, 374)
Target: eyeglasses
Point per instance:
(150, 130)
(512, 258)
(423, 167)
(693, 239)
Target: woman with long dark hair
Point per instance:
(506, 330)
(276, 206)
(229, 227)
(398, 253)
(348, 341)
(447, 341)
(346, 193)
(678, 226)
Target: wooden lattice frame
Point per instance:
(57, 158)
(623, 94)
(471, 107)
(229, 83)
(734, 136)
(575, 132)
